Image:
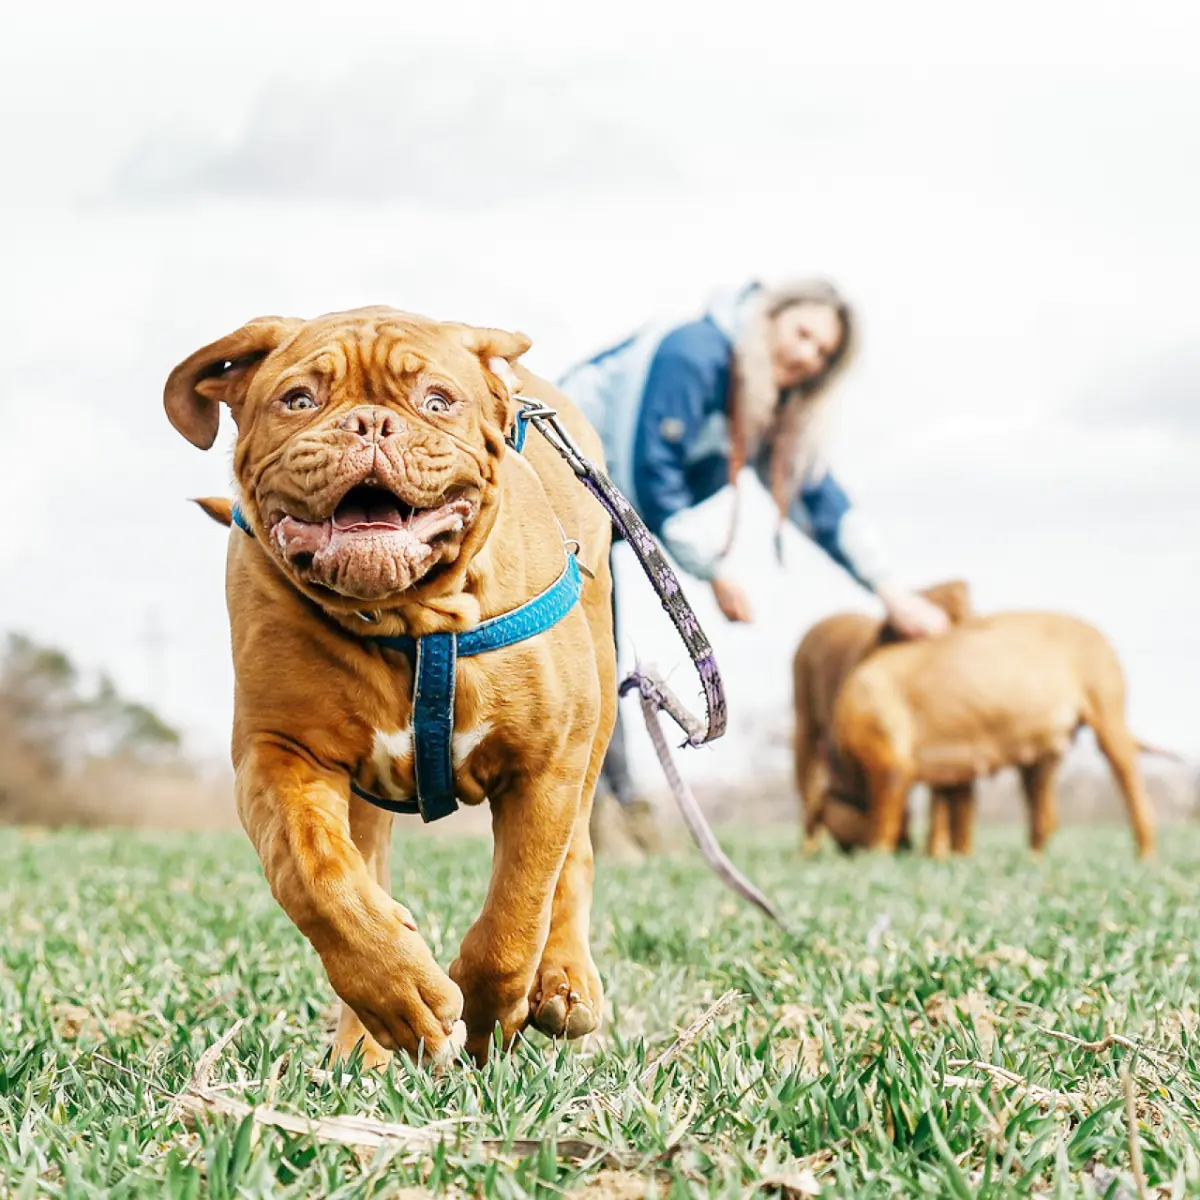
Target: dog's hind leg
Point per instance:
(1105, 712)
(1118, 745)
(1038, 781)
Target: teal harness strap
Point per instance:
(436, 656)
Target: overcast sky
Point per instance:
(1012, 203)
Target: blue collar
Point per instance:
(435, 656)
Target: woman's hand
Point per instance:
(732, 600)
(913, 616)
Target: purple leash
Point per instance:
(655, 695)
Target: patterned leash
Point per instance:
(655, 695)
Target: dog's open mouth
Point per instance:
(376, 544)
(366, 507)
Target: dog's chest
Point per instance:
(389, 771)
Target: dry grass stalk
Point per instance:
(608, 1101)
(199, 1099)
(1107, 1043)
(689, 1035)
(1135, 1143)
(1009, 1079)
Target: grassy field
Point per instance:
(901, 1045)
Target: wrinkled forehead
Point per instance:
(376, 344)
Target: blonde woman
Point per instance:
(683, 407)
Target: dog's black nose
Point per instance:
(371, 422)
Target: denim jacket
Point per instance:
(659, 400)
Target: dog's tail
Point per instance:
(1160, 751)
(217, 507)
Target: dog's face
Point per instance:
(848, 821)
(368, 442)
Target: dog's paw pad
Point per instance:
(580, 1021)
(563, 1013)
(551, 1016)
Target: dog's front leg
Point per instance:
(889, 790)
(371, 829)
(567, 998)
(297, 816)
(532, 825)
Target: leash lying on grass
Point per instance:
(655, 696)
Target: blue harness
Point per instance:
(434, 657)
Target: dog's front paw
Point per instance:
(401, 996)
(567, 999)
(351, 1037)
(491, 995)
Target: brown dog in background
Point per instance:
(373, 469)
(827, 654)
(1009, 689)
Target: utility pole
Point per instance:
(155, 640)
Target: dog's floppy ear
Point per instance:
(954, 599)
(495, 343)
(498, 350)
(218, 374)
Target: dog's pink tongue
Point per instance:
(375, 508)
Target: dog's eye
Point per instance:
(298, 401)
(437, 404)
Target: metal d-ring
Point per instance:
(575, 548)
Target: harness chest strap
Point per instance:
(436, 656)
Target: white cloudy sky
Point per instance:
(1012, 201)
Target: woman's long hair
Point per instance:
(786, 425)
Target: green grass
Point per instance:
(835, 1064)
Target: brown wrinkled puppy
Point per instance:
(1010, 689)
(373, 469)
(827, 653)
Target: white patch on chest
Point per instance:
(466, 742)
(388, 748)
(394, 748)
(397, 744)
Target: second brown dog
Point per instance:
(1010, 689)
(827, 654)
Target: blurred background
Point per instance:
(1010, 200)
